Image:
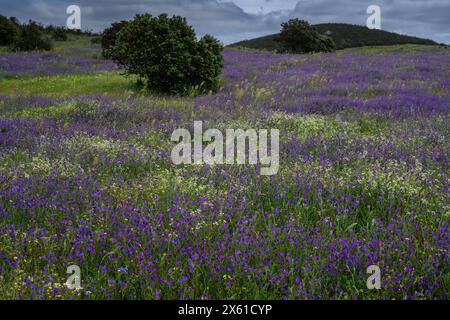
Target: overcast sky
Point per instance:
(234, 20)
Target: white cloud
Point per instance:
(264, 6)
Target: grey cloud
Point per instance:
(229, 22)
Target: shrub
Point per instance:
(59, 34)
(298, 36)
(324, 44)
(109, 36)
(96, 40)
(207, 63)
(165, 52)
(9, 31)
(15, 21)
(31, 38)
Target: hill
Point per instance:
(344, 35)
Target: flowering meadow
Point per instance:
(86, 179)
(52, 63)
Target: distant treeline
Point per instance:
(344, 36)
(33, 35)
(10, 28)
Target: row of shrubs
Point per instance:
(28, 37)
(32, 36)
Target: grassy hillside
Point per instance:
(344, 35)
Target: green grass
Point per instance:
(388, 49)
(73, 42)
(112, 83)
